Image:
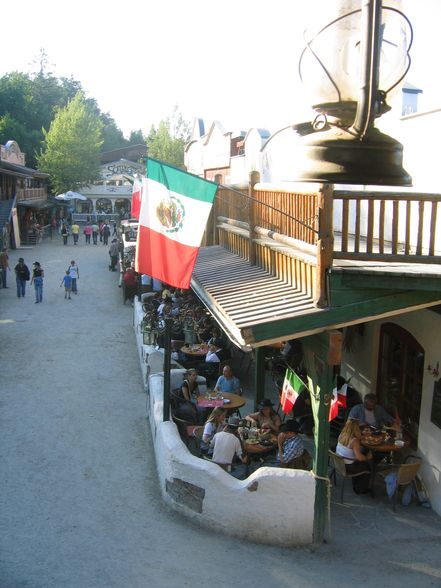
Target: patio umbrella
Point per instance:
(69, 195)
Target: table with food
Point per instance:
(257, 441)
(197, 350)
(228, 400)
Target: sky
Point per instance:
(233, 61)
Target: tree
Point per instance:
(168, 141)
(71, 147)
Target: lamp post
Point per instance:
(351, 64)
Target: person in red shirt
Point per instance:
(130, 280)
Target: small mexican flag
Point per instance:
(338, 399)
(174, 211)
(292, 386)
(136, 197)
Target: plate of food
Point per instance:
(227, 401)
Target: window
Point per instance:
(400, 375)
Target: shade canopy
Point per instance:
(69, 195)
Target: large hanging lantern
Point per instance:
(351, 64)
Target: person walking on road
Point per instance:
(74, 273)
(106, 233)
(67, 281)
(87, 232)
(113, 252)
(75, 229)
(95, 231)
(22, 275)
(64, 233)
(37, 280)
(4, 266)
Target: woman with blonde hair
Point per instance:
(350, 449)
(214, 424)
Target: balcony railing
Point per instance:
(295, 233)
(31, 194)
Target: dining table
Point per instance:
(260, 446)
(384, 447)
(200, 350)
(228, 400)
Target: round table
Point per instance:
(195, 351)
(236, 401)
(384, 446)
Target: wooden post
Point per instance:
(259, 375)
(325, 243)
(254, 179)
(215, 236)
(321, 353)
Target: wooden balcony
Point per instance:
(322, 248)
(32, 194)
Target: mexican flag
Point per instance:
(338, 399)
(174, 211)
(136, 197)
(292, 386)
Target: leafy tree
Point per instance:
(113, 137)
(168, 141)
(71, 147)
(136, 138)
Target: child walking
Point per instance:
(67, 281)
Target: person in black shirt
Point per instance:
(22, 275)
(37, 280)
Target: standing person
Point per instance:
(113, 252)
(67, 281)
(95, 231)
(22, 275)
(37, 280)
(87, 232)
(75, 230)
(106, 233)
(100, 230)
(115, 232)
(64, 233)
(4, 266)
(74, 273)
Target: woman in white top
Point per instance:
(214, 424)
(350, 449)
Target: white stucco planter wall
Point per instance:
(274, 506)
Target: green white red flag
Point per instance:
(338, 399)
(136, 197)
(175, 207)
(292, 386)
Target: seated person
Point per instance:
(266, 417)
(216, 352)
(227, 382)
(190, 388)
(291, 451)
(371, 413)
(226, 445)
(215, 335)
(204, 331)
(214, 424)
(302, 412)
(349, 447)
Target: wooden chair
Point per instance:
(338, 467)
(197, 438)
(406, 474)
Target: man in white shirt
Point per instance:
(226, 445)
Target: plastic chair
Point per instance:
(406, 474)
(339, 467)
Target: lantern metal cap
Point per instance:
(338, 157)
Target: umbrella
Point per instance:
(70, 196)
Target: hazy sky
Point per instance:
(234, 61)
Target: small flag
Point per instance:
(175, 207)
(292, 386)
(136, 197)
(338, 399)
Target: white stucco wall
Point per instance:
(361, 363)
(274, 506)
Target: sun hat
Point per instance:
(265, 402)
(234, 421)
(290, 426)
